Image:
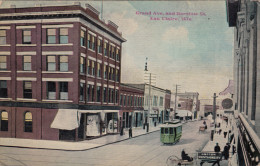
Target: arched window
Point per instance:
(28, 122)
(4, 121)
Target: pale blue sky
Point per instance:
(196, 54)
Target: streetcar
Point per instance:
(171, 132)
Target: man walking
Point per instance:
(217, 150)
(130, 132)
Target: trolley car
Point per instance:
(171, 132)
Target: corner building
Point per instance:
(59, 73)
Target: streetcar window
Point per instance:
(171, 130)
(161, 130)
(166, 130)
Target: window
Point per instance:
(89, 67)
(125, 102)
(82, 65)
(4, 121)
(93, 68)
(27, 89)
(104, 94)
(64, 38)
(117, 75)
(121, 100)
(112, 96)
(51, 90)
(90, 93)
(89, 41)
(171, 130)
(3, 65)
(98, 94)
(63, 90)
(82, 92)
(113, 52)
(93, 43)
(98, 69)
(3, 89)
(28, 122)
(51, 36)
(109, 73)
(83, 38)
(27, 37)
(27, 63)
(113, 74)
(105, 48)
(117, 55)
(161, 101)
(51, 63)
(109, 95)
(116, 98)
(64, 65)
(105, 71)
(166, 130)
(110, 51)
(99, 46)
(155, 100)
(2, 37)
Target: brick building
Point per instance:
(131, 102)
(59, 73)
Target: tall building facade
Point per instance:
(244, 17)
(59, 73)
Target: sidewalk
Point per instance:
(73, 146)
(219, 138)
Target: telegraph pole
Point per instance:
(214, 107)
(176, 92)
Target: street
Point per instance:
(142, 150)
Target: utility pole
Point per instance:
(149, 95)
(214, 107)
(176, 94)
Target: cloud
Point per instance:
(178, 36)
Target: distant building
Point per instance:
(60, 72)
(244, 17)
(131, 102)
(159, 112)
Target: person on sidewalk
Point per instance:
(219, 131)
(217, 148)
(226, 151)
(130, 132)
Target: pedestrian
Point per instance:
(220, 131)
(122, 131)
(225, 134)
(226, 151)
(204, 122)
(217, 148)
(233, 149)
(130, 132)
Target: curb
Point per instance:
(82, 149)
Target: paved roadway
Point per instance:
(143, 150)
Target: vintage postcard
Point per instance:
(120, 83)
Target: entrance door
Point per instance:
(82, 127)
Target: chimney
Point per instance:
(91, 9)
(112, 24)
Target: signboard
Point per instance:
(209, 156)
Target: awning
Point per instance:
(66, 119)
(183, 113)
